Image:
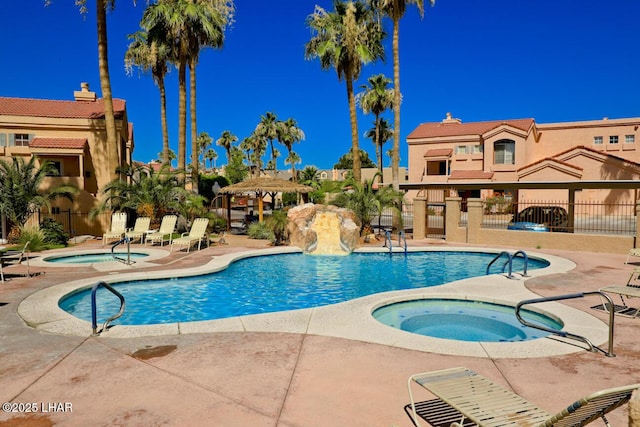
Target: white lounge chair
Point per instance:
(630, 290)
(167, 227)
(118, 227)
(478, 400)
(196, 234)
(8, 258)
(139, 228)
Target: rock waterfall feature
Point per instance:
(323, 229)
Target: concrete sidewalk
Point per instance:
(274, 379)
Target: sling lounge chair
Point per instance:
(139, 228)
(478, 400)
(118, 227)
(630, 290)
(195, 235)
(167, 226)
(8, 258)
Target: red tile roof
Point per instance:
(429, 130)
(461, 174)
(58, 109)
(44, 142)
(439, 152)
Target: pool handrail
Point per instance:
(509, 262)
(564, 334)
(401, 238)
(126, 240)
(94, 310)
(387, 238)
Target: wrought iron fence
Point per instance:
(385, 220)
(74, 223)
(579, 217)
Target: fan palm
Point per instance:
(268, 130)
(21, 190)
(380, 133)
(289, 133)
(211, 155)
(395, 10)
(225, 141)
(345, 40)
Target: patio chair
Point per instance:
(630, 290)
(196, 234)
(167, 227)
(118, 227)
(632, 252)
(8, 258)
(140, 228)
(478, 400)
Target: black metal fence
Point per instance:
(579, 217)
(74, 223)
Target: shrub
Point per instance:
(33, 235)
(277, 223)
(260, 231)
(54, 232)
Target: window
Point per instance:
(504, 152)
(22, 139)
(597, 140)
(56, 168)
(461, 149)
(55, 210)
(629, 139)
(476, 149)
(613, 139)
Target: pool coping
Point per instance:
(350, 320)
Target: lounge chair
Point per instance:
(118, 227)
(8, 258)
(139, 228)
(632, 252)
(478, 400)
(196, 234)
(167, 226)
(630, 290)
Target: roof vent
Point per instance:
(84, 94)
(450, 119)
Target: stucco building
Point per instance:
(521, 150)
(72, 135)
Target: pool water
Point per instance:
(464, 320)
(90, 258)
(266, 284)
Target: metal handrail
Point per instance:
(402, 237)
(387, 238)
(509, 262)
(564, 334)
(126, 240)
(525, 257)
(94, 310)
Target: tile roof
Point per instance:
(470, 174)
(58, 109)
(437, 129)
(44, 142)
(439, 152)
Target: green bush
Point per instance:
(260, 231)
(277, 223)
(33, 235)
(54, 232)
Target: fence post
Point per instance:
(452, 214)
(635, 236)
(474, 220)
(419, 217)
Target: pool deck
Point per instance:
(306, 368)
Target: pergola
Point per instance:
(263, 185)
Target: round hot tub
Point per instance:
(464, 320)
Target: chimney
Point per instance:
(84, 94)
(450, 119)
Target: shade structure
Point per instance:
(263, 185)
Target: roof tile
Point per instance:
(44, 142)
(58, 109)
(429, 130)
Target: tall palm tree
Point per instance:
(21, 191)
(345, 40)
(380, 133)
(226, 140)
(289, 133)
(268, 129)
(211, 155)
(203, 142)
(375, 99)
(151, 56)
(395, 10)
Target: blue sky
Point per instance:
(501, 59)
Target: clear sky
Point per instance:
(480, 60)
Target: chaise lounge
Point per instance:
(477, 400)
(195, 235)
(118, 227)
(167, 226)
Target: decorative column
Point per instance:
(419, 218)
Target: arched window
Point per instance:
(504, 152)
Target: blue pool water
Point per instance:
(464, 320)
(90, 258)
(266, 284)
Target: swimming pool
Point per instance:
(267, 284)
(464, 320)
(90, 258)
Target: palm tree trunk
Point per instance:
(395, 154)
(355, 147)
(379, 148)
(163, 120)
(194, 128)
(182, 120)
(113, 157)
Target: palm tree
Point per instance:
(345, 40)
(151, 56)
(268, 129)
(21, 192)
(375, 99)
(289, 133)
(211, 155)
(225, 141)
(292, 159)
(203, 142)
(380, 133)
(395, 10)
